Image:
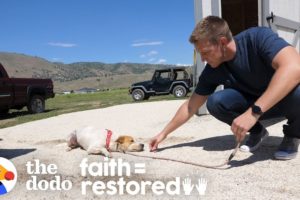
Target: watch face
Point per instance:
(256, 110)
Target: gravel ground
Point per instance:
(202, 139)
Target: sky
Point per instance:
(108, 31)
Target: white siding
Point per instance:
(202, 9)
(289, 9)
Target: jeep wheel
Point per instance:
(36, 104)
(179, 91)
(138, 95)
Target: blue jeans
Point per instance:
(227, 104)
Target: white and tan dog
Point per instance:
(98, 141)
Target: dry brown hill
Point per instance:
(74, 76)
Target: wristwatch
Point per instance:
(256, 110)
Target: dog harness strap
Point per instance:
(108, 138)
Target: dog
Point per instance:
(98, 141)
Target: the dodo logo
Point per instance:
(8, 176)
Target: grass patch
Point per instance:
(74, 102)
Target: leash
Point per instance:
(108, 138)
(220, 166)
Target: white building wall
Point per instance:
(203, 8)
(286, 8)
(289, 9)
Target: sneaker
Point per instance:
(254, 141)
(288, 148)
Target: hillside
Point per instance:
(78, 75)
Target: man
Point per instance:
(261, 75)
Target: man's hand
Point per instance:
(153, 144)
(242, 124)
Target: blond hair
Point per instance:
(211, 28)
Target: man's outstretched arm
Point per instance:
(183, 114)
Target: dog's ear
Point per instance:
(120, 140)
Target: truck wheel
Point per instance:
(138, 95)
(4, 112)
(36, 104)
(179, 91)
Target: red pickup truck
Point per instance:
(15, 93)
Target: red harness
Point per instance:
(108, 138)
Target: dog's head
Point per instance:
(127, 143)
(72, 140)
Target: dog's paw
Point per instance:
(107, 155)
(68, 149)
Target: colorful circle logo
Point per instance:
(8, 176)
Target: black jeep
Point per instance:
(176, 81)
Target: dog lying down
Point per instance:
(98, 141)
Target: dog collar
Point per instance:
(108, 138)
